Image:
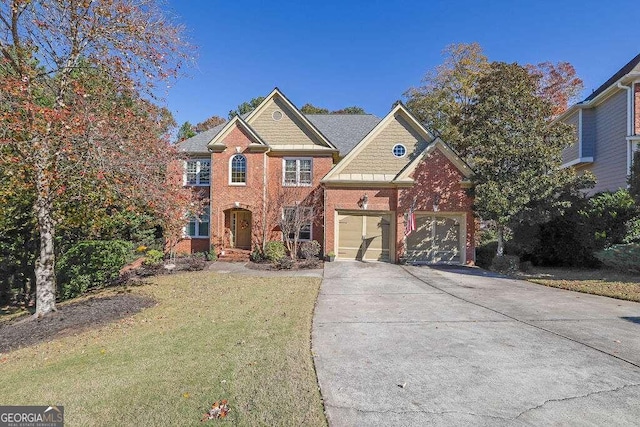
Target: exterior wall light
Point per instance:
(436, 202)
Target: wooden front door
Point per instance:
(242, 229)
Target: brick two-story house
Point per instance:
(359, 176)
(607, 127)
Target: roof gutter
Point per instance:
(588, 104)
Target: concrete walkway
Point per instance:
(413, 346)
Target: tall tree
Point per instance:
(557, 83)
(211, 122)
(350, 110)
(515, 147)
(70, 77)
(441, 101)
(186, 131)
(312, 109)
(246, 107)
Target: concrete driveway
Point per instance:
(414, 346)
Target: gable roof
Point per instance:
(613, 79)
(239, 122)
(344, 130)
(335, 173)
(601, 92)
(198, 143)
(275, 93)
(463, 167)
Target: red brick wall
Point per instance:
(435, 175)
(277, 194)
(250, 197)
(190, 245)
(379, 199)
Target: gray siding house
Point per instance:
(607, 127)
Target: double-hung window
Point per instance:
(298, 219)
(238, 170)
(297, 172)
(197, 172)
(199, 225)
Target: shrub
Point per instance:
(623, 257)
(505, 264)
(310, 249)
(284, 263)
(275, 251)
(485, 254)
(212, 255)
(196, 262)
(632, 230)
(257, 255)
(153, 257)
(91, 264)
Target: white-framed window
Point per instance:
(399, 150)
(297, 171)
(197, 172)
(199, 225)
(238, 170)
(298, 218)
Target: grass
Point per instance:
(605, 282)
(210, 337)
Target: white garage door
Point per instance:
(364, 236)
(437, 239)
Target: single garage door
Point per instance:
(364, 236)
(435, 240)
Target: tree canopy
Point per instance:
(246, 107)
(515, 147)
(76, 88)
(441, 101)
(209, 123)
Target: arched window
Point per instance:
(238, 170)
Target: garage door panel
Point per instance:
(436, 239)
(364, 236)
(350, 229)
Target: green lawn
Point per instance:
(605, 282)
(211, 337)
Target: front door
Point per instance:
(242, 229)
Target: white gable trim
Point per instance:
(398, 109)
(236, 121)
(405, 175)
(276, 93)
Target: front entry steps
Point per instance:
(234, 255)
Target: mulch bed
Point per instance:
(269, 266)
(69, 319)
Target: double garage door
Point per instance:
(370, 236)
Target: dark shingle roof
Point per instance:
(343, 130)
(617, 76)
(198, 143)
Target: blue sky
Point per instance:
(335, 54)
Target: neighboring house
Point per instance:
(607, 126)
(358, 176)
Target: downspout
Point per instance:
(629, 124)
(264, 198)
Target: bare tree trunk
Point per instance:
(500, 229)
(45, 273)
